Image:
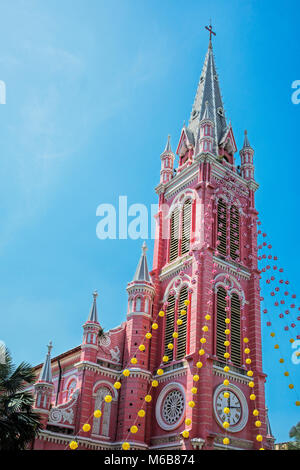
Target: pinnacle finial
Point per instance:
(93, 316)
(95, 294)
(49, 346)
(144, 248)
(168, 145)
(246, 140)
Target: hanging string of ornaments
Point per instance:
(203, 340)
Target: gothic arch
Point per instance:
(180, 200)
(176, 284)
(234, 286)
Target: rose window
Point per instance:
(173, 407)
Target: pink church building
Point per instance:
(189, 352)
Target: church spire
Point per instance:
(46, 373)
(209, 91)
(93, 315)
(142, 272)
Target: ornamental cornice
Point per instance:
(96, 368)
(197, 443)
(180, 372)
(233, 268)
(174, 268)
(233, 375)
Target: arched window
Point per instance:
(186, 226)
(235, 330)
(101, 426)
(71, 387)
(146, 305)
(174, 235)
(234, 232)
(221, 325)
(222, 224)
(130, 305)
(182, 329)
(170, 322)
(138, 304)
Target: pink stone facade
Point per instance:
(206, 174)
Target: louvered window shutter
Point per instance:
(222, 224)
(186, 226)
(174, 235)
(170, 321)
(235, 330)
(234, 232)
(221, 325)
(182, 329)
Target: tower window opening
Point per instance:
(174, 235)
(169, 329)
(234, 232)
(235, 330)
(182, 329)
(220, 326)
(222, 226)
(186, 226)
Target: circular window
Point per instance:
(173, 406)
(170, 406)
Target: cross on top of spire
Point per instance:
(209, 28)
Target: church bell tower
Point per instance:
(206, 280)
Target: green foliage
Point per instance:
(19, 424)
(295, 434)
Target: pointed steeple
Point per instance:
(206, 116)
(168, 145)
(93, 316)
(246, 142)
(209, 91)
(142, 272)
(46, 373)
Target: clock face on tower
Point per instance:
(237, 416)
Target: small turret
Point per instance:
(140, 289)
(167, 163)
(43, 389)
(247, 167)
(206, 138)
(91, 330)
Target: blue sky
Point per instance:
(93, 90)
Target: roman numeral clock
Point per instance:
(233, 399)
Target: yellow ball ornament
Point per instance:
(247, 351)
(170, 346)
(226, 441)
(248, 360)
(227, 332)
(117, 385)
(86, 427)
(226, 355)
(160, 372)
(148, 335)
(226, 369)
(134, 429)
(281, 360)
(73, 445)
(226, 410)
(108, 398)
(194, 390)
(125, 446)
(199, 365)
(196, 378)
(250, 373)
(251, 384)
(154, 326)
(202, 340)
(226, 382)
(187, 302)
(246, 340)
(185, 434)
(175, 334)
(286, 374)
(201, 352)
(148, 398)
(207, 317)
(226, 343)
(141, 413)
(258, 424)
(161, 313)
(182, 312)
(126, 373)
(191, 404)
(227, 321)
(252, 396)
(188, 421)
(259, 437)
(97, 413)
(133, 360)
(276, 346)
(179, 322)
(205, 328)
(165, 358)
(226, 395)
(272, 334)
(255, 412)
(226, 425)
(291, 386)
(142, 347)
(154, 383)
(297, 403)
